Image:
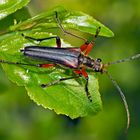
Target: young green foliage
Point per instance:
(8, 7)
(67, 98)
(70, 20)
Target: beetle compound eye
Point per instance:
(99, 60)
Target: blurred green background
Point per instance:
(22, 119)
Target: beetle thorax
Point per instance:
(96, 64)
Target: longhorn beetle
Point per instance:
(76, 59)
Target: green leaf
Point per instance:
(10, 6)
(67, 97)
(19, 16)
(70, 19)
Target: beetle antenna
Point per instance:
(124, 60)
(123, 98)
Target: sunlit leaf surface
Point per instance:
(70, 20)
(68, 97)
(10, 6)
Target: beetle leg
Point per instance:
(58, 81)
(83, 73)
(86, 90)
(65, 31)
(46, 65)
(97, 32)
(78, 72)
(25, 64)
(18, 63)
(87, 47)
(84, 46)
(58, 40)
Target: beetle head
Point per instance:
(99, 66)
